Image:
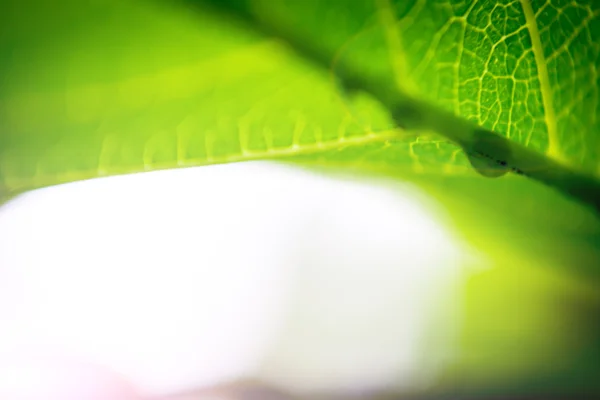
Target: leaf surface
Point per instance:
(388, 87)
(122, 87)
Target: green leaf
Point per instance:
(427, 91)
(99, 94)
(525, 69)
(361, 64)
(135, 86)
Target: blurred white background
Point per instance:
(190, 278)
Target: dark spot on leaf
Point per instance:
(489, 153)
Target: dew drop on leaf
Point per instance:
(480, 154)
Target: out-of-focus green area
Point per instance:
(108, 87)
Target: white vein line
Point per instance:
(542, 68)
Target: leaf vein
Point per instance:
(544, 80)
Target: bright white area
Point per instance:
(188, 278)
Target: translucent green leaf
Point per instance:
(116, 87)
(135, 86)
(525, 69)
(429, 91)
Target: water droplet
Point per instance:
(489, 153)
